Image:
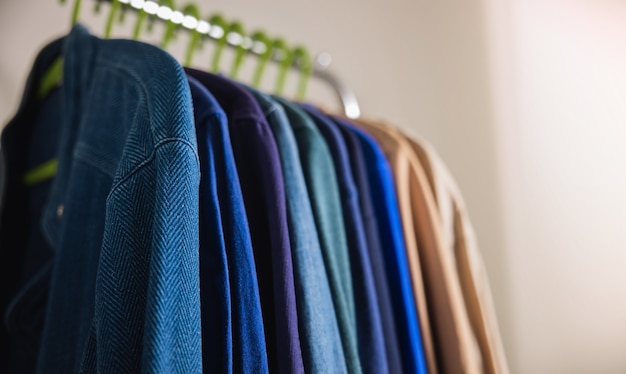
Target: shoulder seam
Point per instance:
(151, 157)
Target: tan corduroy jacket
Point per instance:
(434, 266)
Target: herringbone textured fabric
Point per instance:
(121, 215)
(147, 310)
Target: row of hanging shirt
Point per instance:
(196, 224)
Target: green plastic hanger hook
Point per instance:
(115, 6)
(218, 21)
(75, 11)
(192, 10)
(285, 64)
(236, 27)
(260, 36)
(170, 27)
(141, 18)
(97, 7)
(303, 58)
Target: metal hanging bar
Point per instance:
(345, 94)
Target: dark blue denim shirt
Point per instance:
(120, 217)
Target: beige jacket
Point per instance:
(460, 241)
(433, 264)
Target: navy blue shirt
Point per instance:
(369, 326)
(261, 178)
(232, 323)
(383, 195)
(370, 223)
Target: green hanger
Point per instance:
(218, 20)
(50, 79)
(241, 50)
(285, 64)
(141, 17)
(96, 7)
(41, 173)
(53, 76)
(115, 6)
(170, 28)
(302, 56)
(194, 41)
(260, 36)
(75, 11)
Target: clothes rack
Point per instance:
(163, 218)
(321, 71)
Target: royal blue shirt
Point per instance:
(262, 185)
(233, 338)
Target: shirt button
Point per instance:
(60, 211)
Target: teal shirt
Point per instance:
(323, 189)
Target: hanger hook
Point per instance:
(217, 20)
(285, 64)
(75, 10)
(192, 10)
(261, 37)
(115, 6)
(96, 7)
(237, 28)
(141, 17)
(303, 58)
(170, 27)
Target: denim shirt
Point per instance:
(322, 350)
(323, 189)
(121, 215)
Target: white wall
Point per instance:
(521, 98)
(560, 81)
